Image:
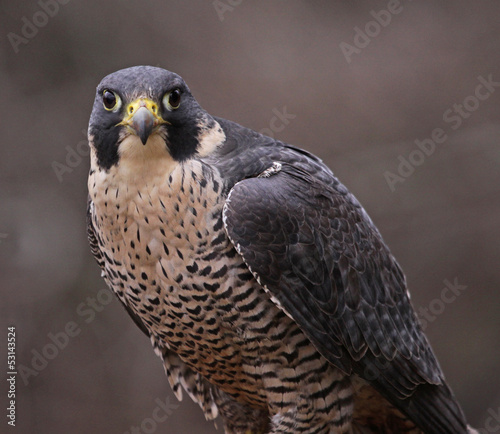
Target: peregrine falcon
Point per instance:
(260, 280)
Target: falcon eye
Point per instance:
(110, 100)
(172, 100)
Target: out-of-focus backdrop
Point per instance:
(400, 98)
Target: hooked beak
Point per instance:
(142, 118)
(143, 123)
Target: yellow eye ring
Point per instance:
(172, 100)
(110, 100)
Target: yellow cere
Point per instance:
(136, 105)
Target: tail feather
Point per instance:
(434, 410)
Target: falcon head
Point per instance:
(144, 113)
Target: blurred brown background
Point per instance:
(247, 61)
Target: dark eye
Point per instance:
(172, 100)
(110, 100)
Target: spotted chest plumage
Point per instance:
(163, 242)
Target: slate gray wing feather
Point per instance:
(322, 260)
